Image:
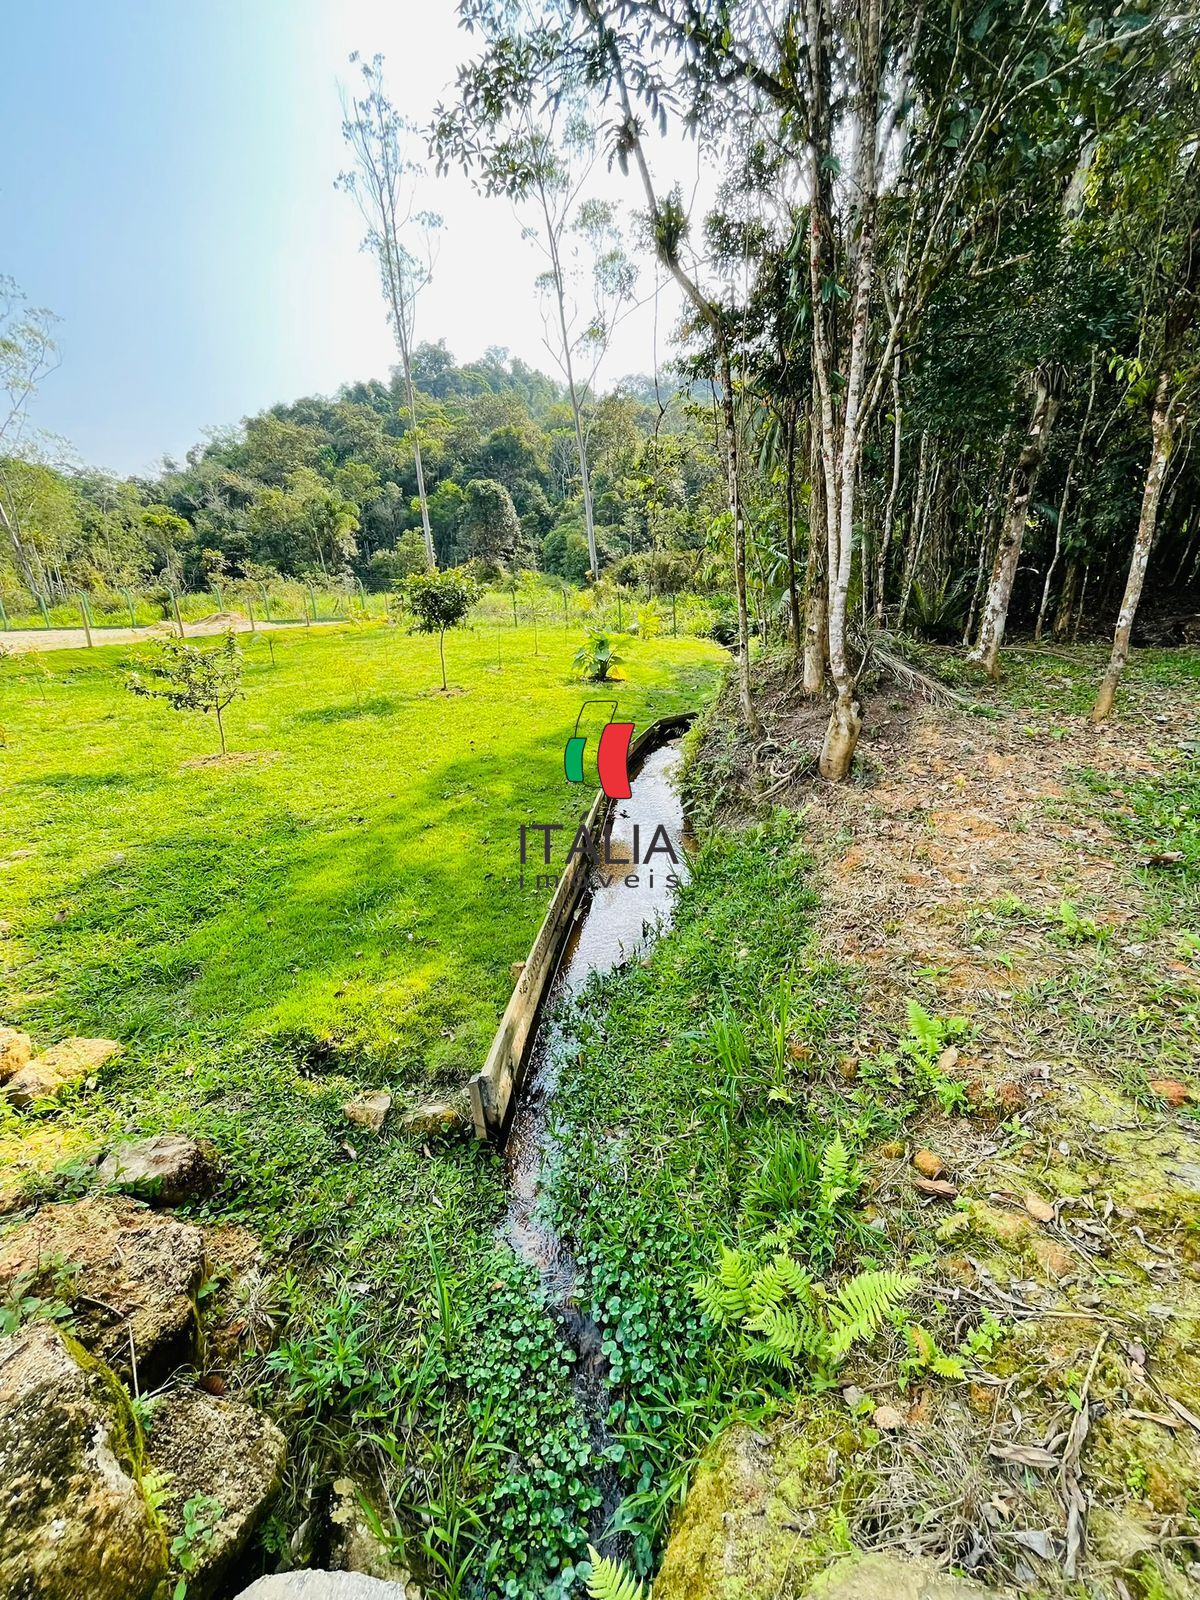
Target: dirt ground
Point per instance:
(18, 640)
(971, 868)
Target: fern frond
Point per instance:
(790, 1330)
(610, 1580)
(764, 1350)
(799, 1283)
(862, 1305)
(768, 1287)
(725, 1297)
(840, 1175)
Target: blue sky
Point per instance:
(166, 187)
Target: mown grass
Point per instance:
(335, 906)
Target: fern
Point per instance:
(725, 1297)
(610, 1581)
(840, 1175)
(779, 1303)
(861, 1307)
(926, 1355)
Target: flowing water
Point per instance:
(615, 924)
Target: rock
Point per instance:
(165, 1170)
(928, 1164)
(887, 1419)
(1171, 1090)
(355, 1546)
(222, 1449)
(73, 1518)
(369, 1110)
(59, 1068)
(1040, 1210)
(16, 1049)
(897, 1577)
(436, 1116)
(133, 1274)
(326, 1586)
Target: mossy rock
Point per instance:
(757, 1519)
(871, 1577)
(226, 1452)
(74, 1520)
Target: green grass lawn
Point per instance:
(336, 905)
(344, 885)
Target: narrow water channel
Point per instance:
(616, 923)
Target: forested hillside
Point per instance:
(326, 487)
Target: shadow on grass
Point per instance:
(376, 705)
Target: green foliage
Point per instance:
(798, 1325)
(439, 601)
(609, 1580)
(41, 1294)
(597, 660)
(925, 1059)
(925, 1355)
(201, 1514)
(191, 678)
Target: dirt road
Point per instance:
(20, 639)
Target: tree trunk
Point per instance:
(1066, 602)
(793, 595)
(1012, 533)
(889, 514)
(1160, 450)
(816, 615)
(442, 654)
(729, 423)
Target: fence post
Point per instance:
(175, 609)
(81, 599)
(250, 609)
(266, 600)
(514, 601)
(566, 618)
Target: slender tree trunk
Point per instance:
(926, 483)
(1160, 451)
(221, 728)
(889, 514)
(426, 529)
(816, 611)
(713, 317)
(729, 421)
(585, 477)
(442, 654)
(1012, 533)
(1066, 602)
(793, 595)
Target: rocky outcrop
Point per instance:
(437, 1116)
(58, 1068)
(326, 1586)
(167, 1170)
(226, 1451)
(354, 1546)
(134, 1276)
(16, 1051)
(74, 1520)
(884, 1576)
(368, 1110)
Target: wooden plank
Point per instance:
(493, 1090)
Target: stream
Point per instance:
(615, 924)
